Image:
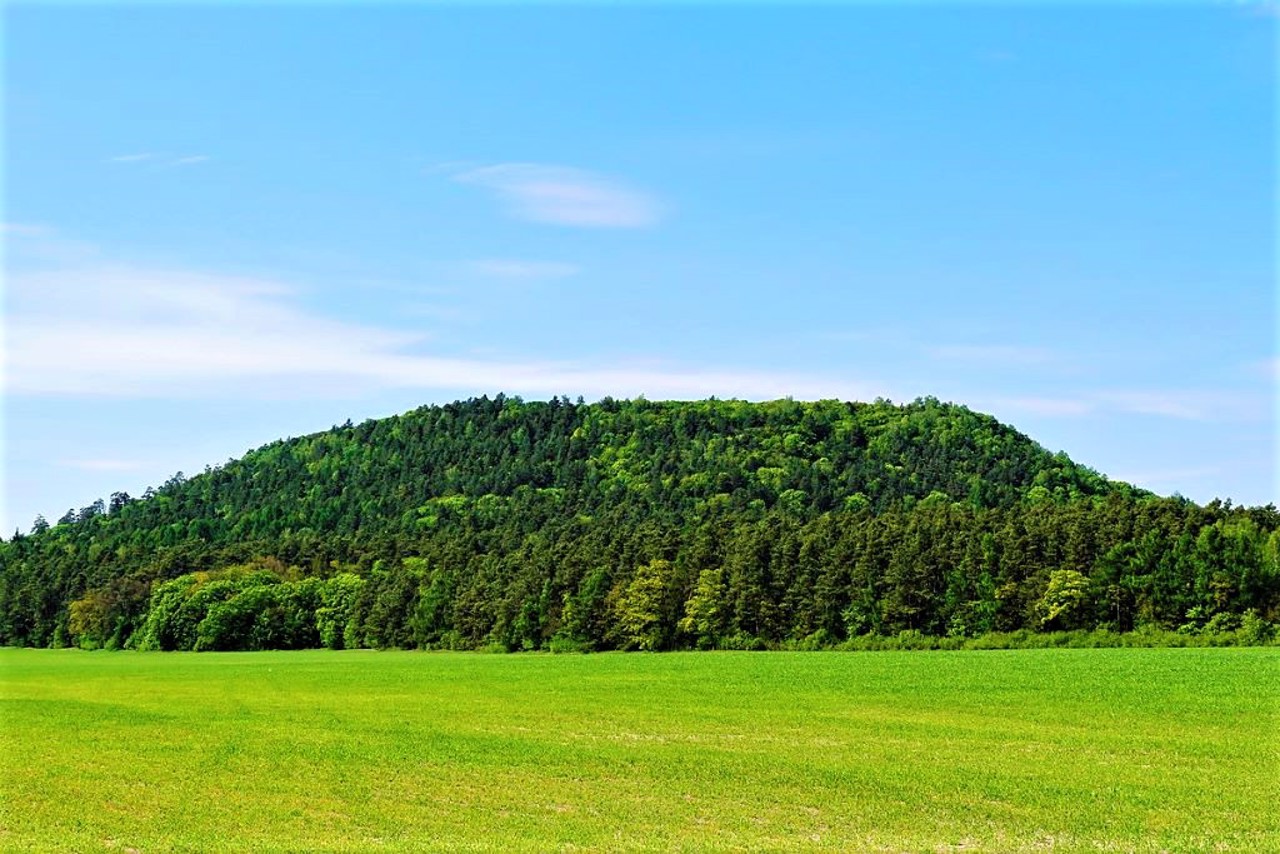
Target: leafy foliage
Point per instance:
(638, 525)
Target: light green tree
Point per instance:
(641, 609)
(704, 612)
(1064, 600)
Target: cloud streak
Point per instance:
(1156, 478)
(501, 268)
(1204, 405)
(160, 160)
(102, 465)
(1051, 407)
(561, 195)
(993, 353)
(26, 230)
(115, 330)
(82, 325)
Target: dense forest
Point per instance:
(497, 522)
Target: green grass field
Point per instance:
(1063, 750)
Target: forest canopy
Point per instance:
(496, 522)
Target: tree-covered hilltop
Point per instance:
(636, 524)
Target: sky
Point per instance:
(225, 225)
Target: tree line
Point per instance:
(638, 525)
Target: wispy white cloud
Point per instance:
(1269, 368)
(452, 168)
(993, 353)
(25, 229)
(1155, 479)
(35, 243)
(160, 160)
(120, 330)
(100, 329)
(560, 195)
(1260, 8)
(1053, 407)
(103, 465)
(433, 311)
(1190, 404)
(506, 268)
(81, 324)
(860, 336)
(1208, 405)
(1183, 405)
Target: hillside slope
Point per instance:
(633, 524)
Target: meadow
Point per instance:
(1057, 749)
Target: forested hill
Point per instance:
(634, 524)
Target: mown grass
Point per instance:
(1068, 750)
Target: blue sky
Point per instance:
(226, 225)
